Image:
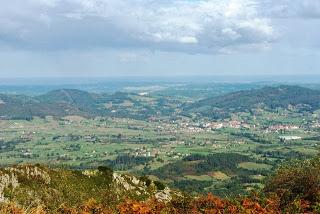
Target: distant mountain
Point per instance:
(63, 102)
(56, 103)
(68, 96)
(282, 96)
(73, 101)
(16, 106)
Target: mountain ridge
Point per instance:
(269, 97)
(64, 102)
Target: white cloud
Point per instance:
(197, 26)
(291, 8)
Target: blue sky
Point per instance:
(44, 38)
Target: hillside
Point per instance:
(60, 190)
(56, 103)
(63, 102)
(294, 188)
(268, 97)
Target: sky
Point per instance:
(101, 38)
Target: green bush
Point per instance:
(297, 181)
(146, 179)
(159, 185)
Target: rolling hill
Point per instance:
(60, 103)
(270, 98)
(63, 102)
(56, 103)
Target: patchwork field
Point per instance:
(178, 139)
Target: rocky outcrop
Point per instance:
(11, 176)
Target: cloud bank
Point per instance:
(189, 26)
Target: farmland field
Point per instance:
(166, 137)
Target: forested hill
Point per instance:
(65, 102)
(282, 96)
(55, 103)
(60, 103)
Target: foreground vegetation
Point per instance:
(294, 188)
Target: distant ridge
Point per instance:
(282, 96)
(63, 102)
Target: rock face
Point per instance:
(124, 184)
(10, 177)
(42, 185)
(164, 195)
(129, 185)
(31, 172)
(6, 181)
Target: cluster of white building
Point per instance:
(279, 127)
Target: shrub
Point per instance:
(159, 185)
(105, 169)
(297, 183)
(146, 180)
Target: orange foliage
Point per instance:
(134, 207)
(209, 204)
(89, 207)
(92, 207)
(11, 208)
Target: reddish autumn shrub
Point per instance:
(297, 184)
(134, 207)
(11, 208)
